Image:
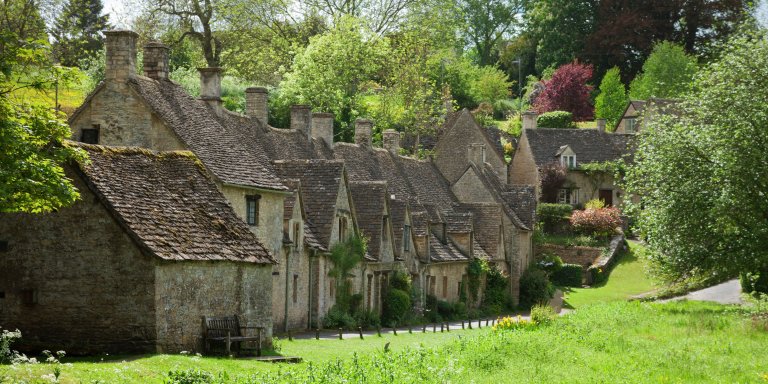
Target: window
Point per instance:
(369, 290)
(252, 209)
(445, 287)
(332, 289)
(630, 125)
(3, 246)
(28, 296)
(90, 135)
(461, 288)
(568, 161)
(568, 196)
(296, 235)
(342, 228)
(407, 238)
(295, 288)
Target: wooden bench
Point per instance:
(227, 330)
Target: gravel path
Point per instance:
(725, 293)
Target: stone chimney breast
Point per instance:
(120, 54)
(256, 103)
(301, 119)
(391, 140)
(322, 127)
(156, 60)
(529, 120)
(363, 132)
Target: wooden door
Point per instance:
(606, 195)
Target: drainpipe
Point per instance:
(287, 271)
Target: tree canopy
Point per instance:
(668, 73)
(702, 175)
(612, 99)
(568, 91)
(77, 31)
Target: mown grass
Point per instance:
(619, 342)
(69, 98)
(628, 278)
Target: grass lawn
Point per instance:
(628, 278)
(69, 98)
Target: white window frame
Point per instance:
(568, 161)
(568, 196)
(631, 125)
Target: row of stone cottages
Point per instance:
(188, 209)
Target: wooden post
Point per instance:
(470, 323)
(317, 333)
(447, 327)
(442, 327)
(434, 327)
(410, 329)
(360, 331)
(378, 331)
(290, 336)
(424, 328)
(341, 332)
(462, 324)
(394, 330)
(479, 323)
(487, 321)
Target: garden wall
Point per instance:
(580, 255)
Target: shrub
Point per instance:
(552, 177)
(396, 305)
(400, 280)
(598, 222)
(569, 275)
(755, 283)
(338, 318)
(551, 215)
(6, 339)
(496, 294)
(535, 287)
(367, 319)
(542, 314)
(355, 302)
(195, 376)
(550, 263)
(555, 119)
(595, 204)
(509, 323)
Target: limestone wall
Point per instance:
(446, 278)
(270, 224)
(523, 168)
(452, 149)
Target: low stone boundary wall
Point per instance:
(584, 256)
(599, 271)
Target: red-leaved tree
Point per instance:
(567, 90)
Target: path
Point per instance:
(725, 293)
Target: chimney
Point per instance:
(210, 86)
(156, 60)
(601, 125)
(301, 119)
(322, 127)
(121, 54)
(529, 120)
(391, 139)
(476, 154)
(256, 103)
(363, 132)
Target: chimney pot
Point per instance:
(120, 54)
(301, 119)
(363, 132)
(210, 86)
(156, 60)
(256, 103)
(391, 139)
(529, 120)
(601, 125)
(322, 127)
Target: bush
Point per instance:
(555, 119)
(550, 263)
(551, 177)
(396, 305)
(535, 287)
(338, 318)
(6, 339)
(367, 319)
(195, 376)
(508, 323)
(542, 314)
(569, 275)
(400, 280)
(496, 295)
(552, 215)
(755, 283)
(598, 222)
(595, 204)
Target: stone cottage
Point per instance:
(638, 111)
(150, 248)
(570, 148)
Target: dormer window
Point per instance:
(568, 161)
(631, 125)
(252, 209)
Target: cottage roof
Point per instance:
(370, 199)
(590, 145)
(458, 222)
(444, 252)
(320, 183)
(486, 220)
(222, 143)
(168, 204)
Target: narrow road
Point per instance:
(724, 293)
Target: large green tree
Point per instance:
(77, 31)
(667, 73)
(612, 100)
(486, 22)
(702, 174)
(560, 28)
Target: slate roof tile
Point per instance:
(440, 252)
(369, 198)
(590, 145)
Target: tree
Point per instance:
(380, 16)
(345, 256)
(76, 32)
(567, 90)
(196, 18)
(667, 73)
(612, 100)
(486, 23)
(560, 28)
(701, 174)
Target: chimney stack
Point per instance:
(121, 54)
(301, 119)
(210, 86)
(601, 125)
(391, 139)
(529, 120)
(363, 132)
(156, 60)
(322, 127)
(476, 154)
(256, 103)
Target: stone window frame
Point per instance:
(90, 135)
(445, 287)
(297, 235)
(568, 161)
(295, 288)
(568, 196)
(252, 203)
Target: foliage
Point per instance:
(397, 303)
(556, 119)
(367, 319)
(535, 287)
(668, 73)
(489, 85)
(551, 215)
(77, 31)
(345, 256)
(550, 263)
(198, 20)
(600, 222)
(542, 314)
(701, 174)
(6, 339)
(568, 90)
(594, 204)
(755, 283)
(487, 21)
(400, 280)
(338, 317)
(496, 293)
(566, 239)
(509, 323)
(551, 177)
(195, 376)
(560, 28)
(569, 275)
(612, 99)
(475, 270)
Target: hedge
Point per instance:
(556, 119)
(569, 275)
(552, 215)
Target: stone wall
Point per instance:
(523, 169)
(187, 291)
(451, 155)
(589, 187)
(291, 282)
(452, 271)
(270, 225)
(584, 256)
(91, 285)
(470, 188)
